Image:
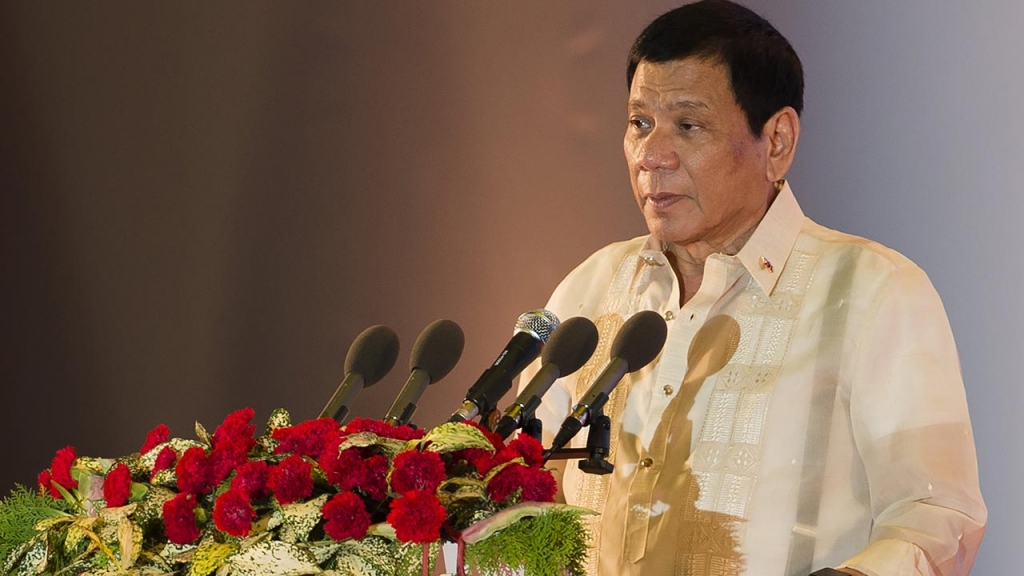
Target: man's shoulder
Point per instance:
(868, 253)
(590, 279)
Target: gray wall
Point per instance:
(203, 204)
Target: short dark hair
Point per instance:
(764, 70)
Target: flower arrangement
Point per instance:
(367, 498)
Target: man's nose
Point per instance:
(657, 152)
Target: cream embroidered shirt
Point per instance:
(807, 410)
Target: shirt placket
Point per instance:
(683, 324)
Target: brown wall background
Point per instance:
(204, 203)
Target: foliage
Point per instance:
(299, 499)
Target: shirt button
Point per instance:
(668, 390)
(646, 463)
(670, 315)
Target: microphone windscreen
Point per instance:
(438, 349)
(571, 345)
(372, 354)
(640, 339)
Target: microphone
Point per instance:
(638, 342)
(532, 331)
(437, 350)
(369, 358)
(569, 348)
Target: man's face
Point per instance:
(698, 173)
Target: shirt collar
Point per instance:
(766, 252)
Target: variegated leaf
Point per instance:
(273, 559)
(202, 434)
(34, 560)
(388, 446)
(452, 436)
(129, 537)
(47, 523)
(210, 555)
(74, 537)
(494, 471)
(301, 517)
(180, 445)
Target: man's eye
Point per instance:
(686, 127)
(639, 123)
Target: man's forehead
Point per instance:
(679, 84)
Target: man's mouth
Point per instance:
(662, 200)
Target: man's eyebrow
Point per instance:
(637, 104)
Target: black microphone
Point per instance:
(532, 331)
(569, 348)
(435, 353)
(638, 342)
(370, 357)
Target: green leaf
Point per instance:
(210, 555)
(300, 518)
(273, 558)
(202, 434)
(388, 446)
(452, 436)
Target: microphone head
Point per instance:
(571, 345)
(372, 354)
(438, 349)
(539, 323)
(640, 339)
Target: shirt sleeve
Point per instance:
(912, 430)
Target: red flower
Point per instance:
(180, 519)
(236, 429)
(529, 448)
(346, 517)
(310, 438)
(291, 480)
(117, 486)
(415, 470)
(538, 486)
(384, 429)
(252, 478)
(164, 460)
(224, 459)
(60, 469)
(417, 516)
(375, 484)
(506, 482)
(233, 513)
(46, 483)
(345, 469)
(156, 436)
(193, 471)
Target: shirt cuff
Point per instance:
(890, 557)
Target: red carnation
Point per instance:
(375, 483)
(291, 480)
(346, 517)
(180, 519)
(193, 471)
(117, 486)
(46, 483)
(310, 438)
(236, 429)
(252, 478)
(345, 469)
(538, 486)
(417, 517)
(495, 439)
(164, 460)
(224, 459)
(233, 513)
(506, 482)
(384, 429)
(415, 470)
(156, 436)
(60, 468)
(529, 448)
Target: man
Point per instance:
(807, 412)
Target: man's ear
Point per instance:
(780, 134)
